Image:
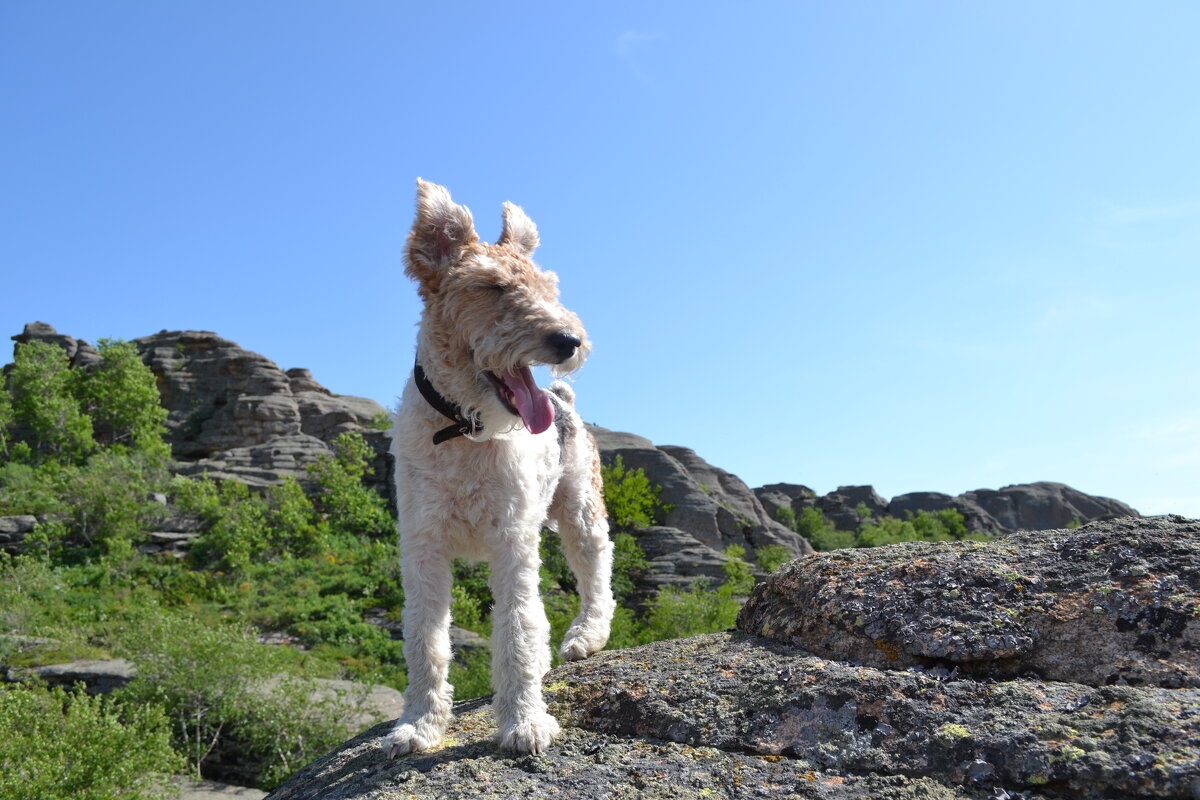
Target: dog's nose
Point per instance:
(563, 345)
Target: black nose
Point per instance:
(563, 345)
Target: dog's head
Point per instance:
(490, 313)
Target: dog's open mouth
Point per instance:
(524, 398)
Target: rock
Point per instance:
(1030, 506)
(99, 675)
(1109, 603)
(733, 715)
(80, 353)
(1043, 505)
(191, 789)
(708, 504)
(359, 705)
(904, 710)
(13, 530)
(234, 414)
(974, 516)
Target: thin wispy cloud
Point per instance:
(630, 48)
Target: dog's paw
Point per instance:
(531, 734)
(408, 738)
(579, 643)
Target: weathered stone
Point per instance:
(13, 530)
(99, 675)
(235, 414)
(708, 504)
(192, 789)
(1044, 505)
(80, 353)
(1108, 603)
(733, 715)
(584, 764)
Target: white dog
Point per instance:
(512, 459)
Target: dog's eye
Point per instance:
(498, 287)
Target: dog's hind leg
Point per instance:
(578, 510)
(426, 573)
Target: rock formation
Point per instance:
(1022, 507)
(708, 510)
(235, 414)
(1044, 665)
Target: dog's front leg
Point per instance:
(520, 646)
(425, 569)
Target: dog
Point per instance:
(513, 459)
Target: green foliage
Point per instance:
(6, 419)
(929, 526)
(629, 564)
(121, 397)
(471, 674)
(771, 557)
(631, 501)
(55, 743)
(45, 410)
(738, 577)
(220, 689)
(348, 505)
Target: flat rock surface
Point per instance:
(1113, 602)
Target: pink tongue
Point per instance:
(534, 406)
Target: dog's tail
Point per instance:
(564, 392)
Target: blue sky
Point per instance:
(923, 245)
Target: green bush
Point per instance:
(348, 505)
(631, 501)
(771, 557)
(55, 743)
(213, 682)
(121, 397)
(45, 411)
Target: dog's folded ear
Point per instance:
(440, 233)
(519, 232)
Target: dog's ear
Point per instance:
(519, 232)
(442, 230)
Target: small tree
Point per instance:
(121, 397)
(45, 411)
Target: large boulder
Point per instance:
(885, 702)
(1109, 603)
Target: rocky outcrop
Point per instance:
(707, 509)
(1027, 506)
(855, 674)
(234, 414)
(13, 530)
(1109, 603)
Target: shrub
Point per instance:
(212, 682)
(771, 557)
(348, 505)
(629, 565)
(631, 501)
(55, 743)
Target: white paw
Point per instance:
(408, 738)
(531, 734)
(580, 643)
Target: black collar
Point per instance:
(462, 426)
